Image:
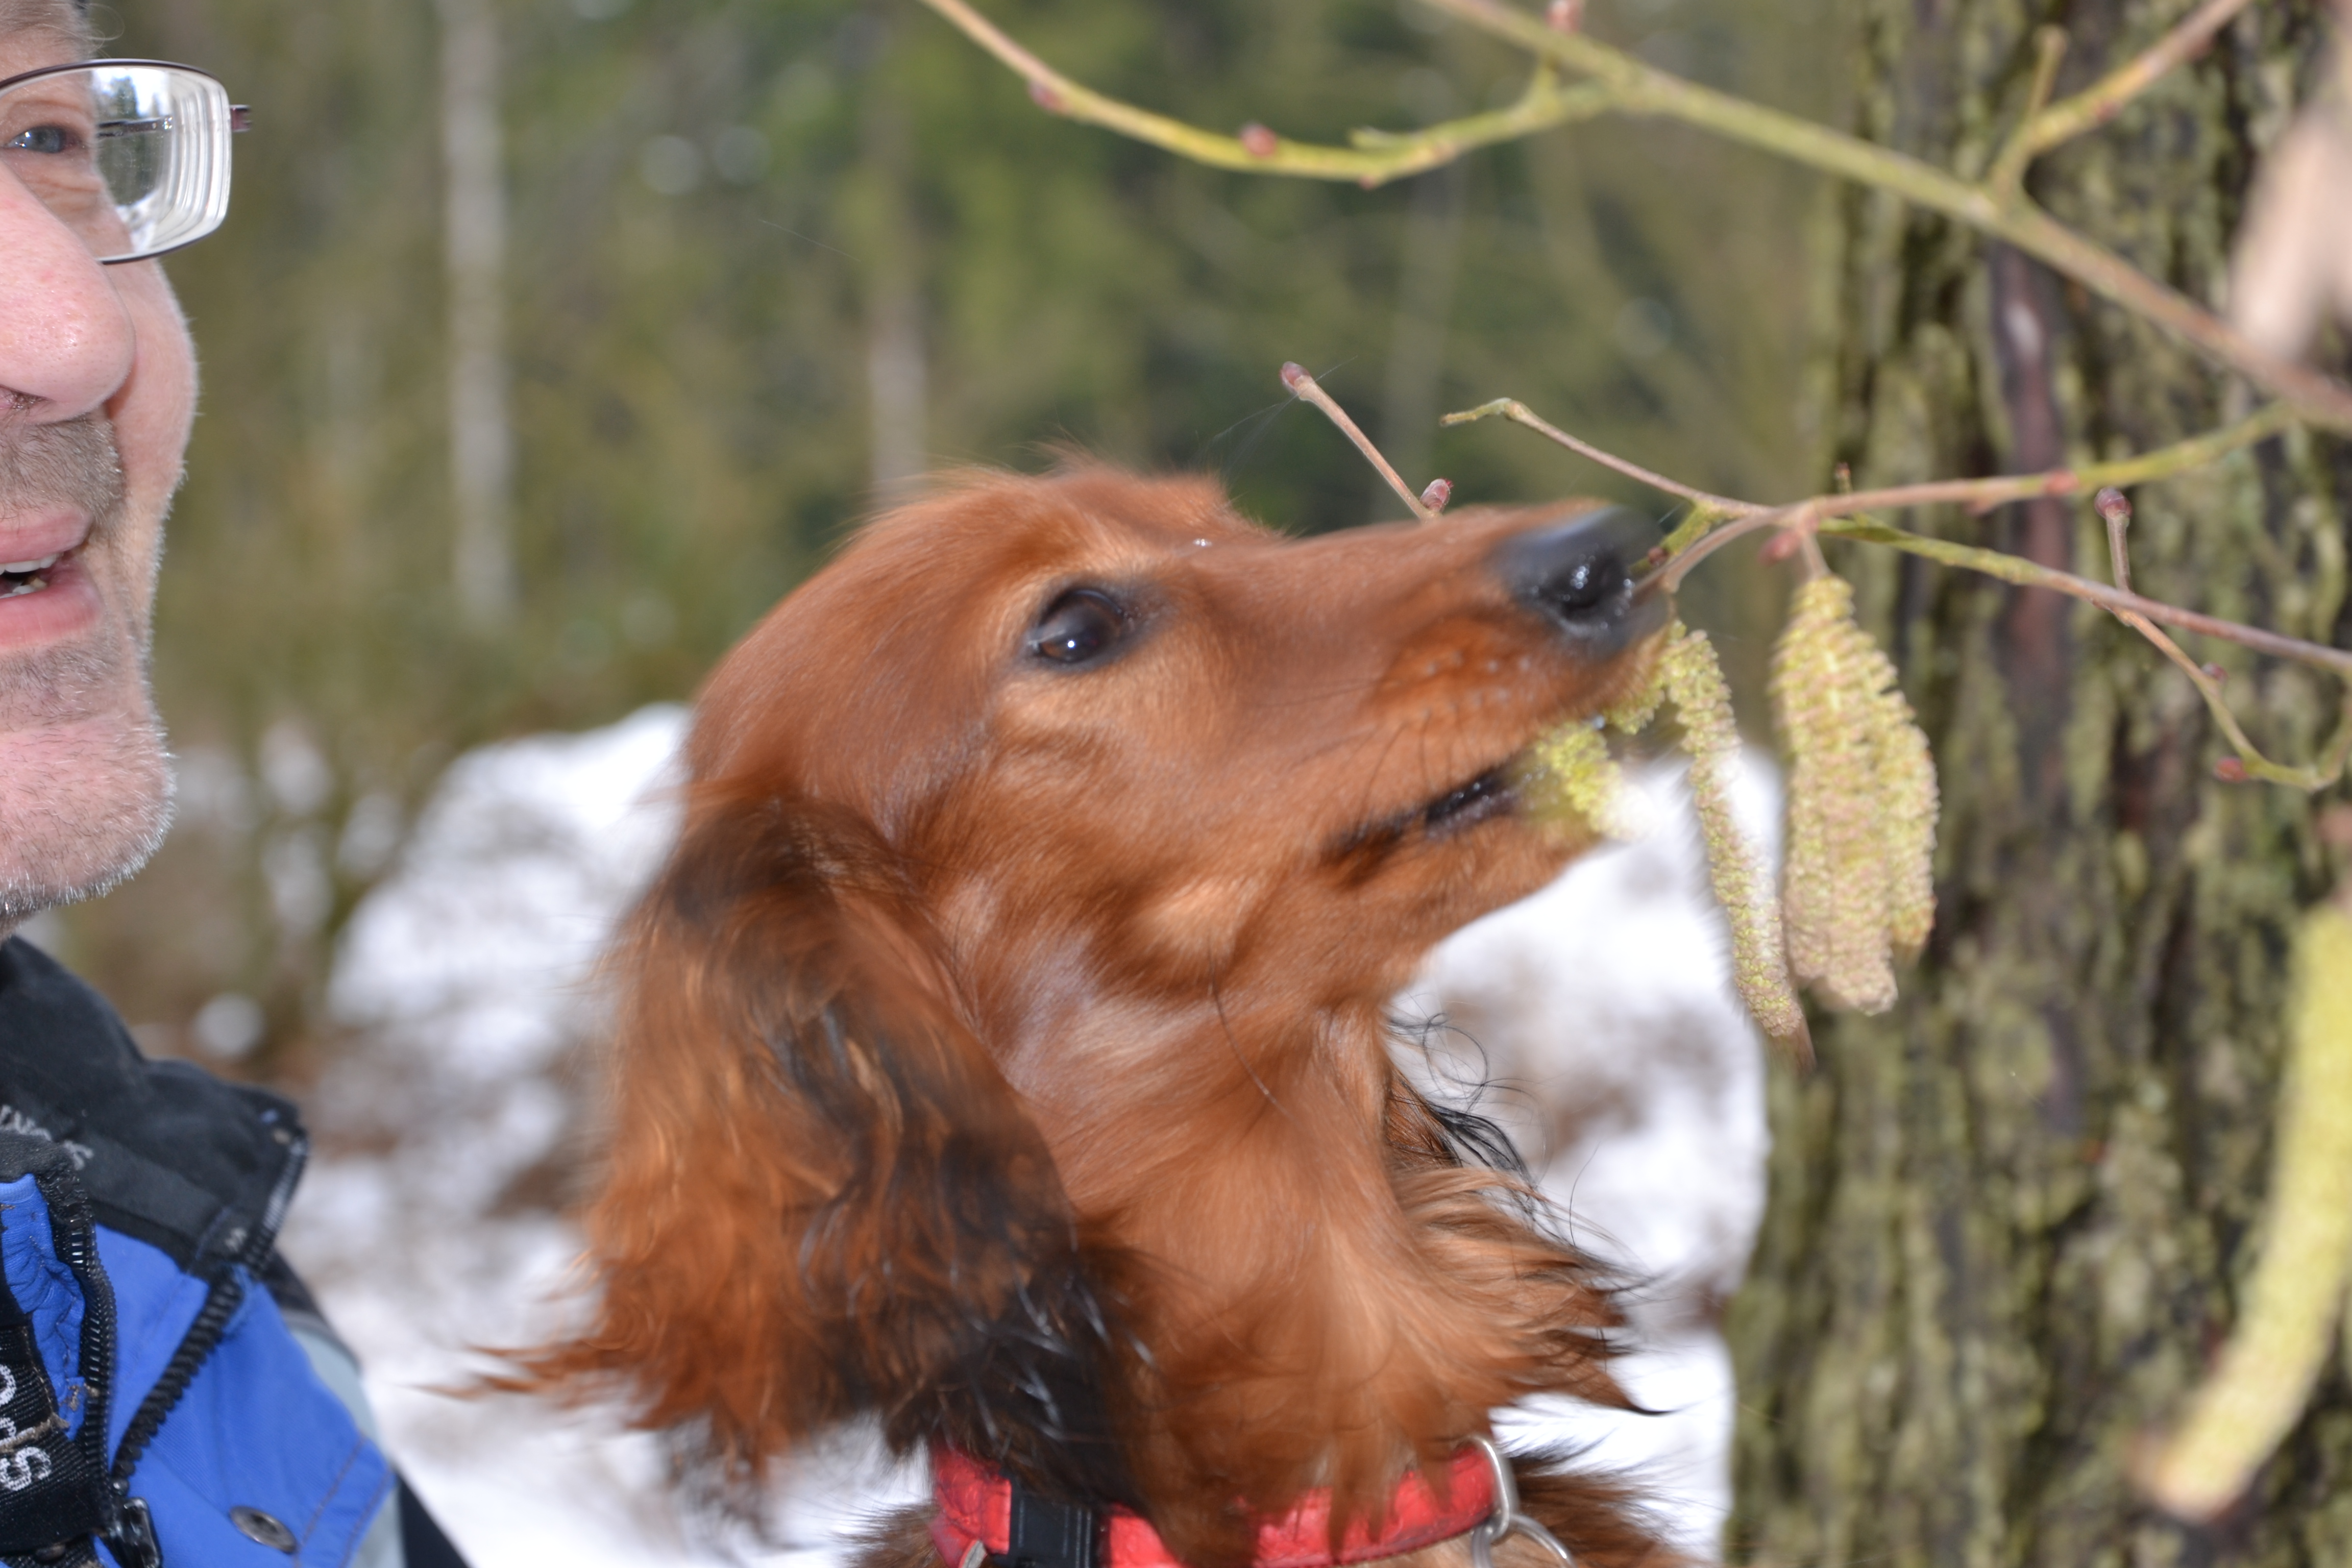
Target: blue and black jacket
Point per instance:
(162, 1396)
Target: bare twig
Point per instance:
(2100, 102)
(2114, 509)
(1295, 377)
(1511, 409)
(1642, 89)
(2006, 177)
(1685, 549)
(1618, 81)
(1982, 495)
(1837, 515)
(1376, 158)
(2028, 574)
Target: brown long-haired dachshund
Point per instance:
(1003, 1051)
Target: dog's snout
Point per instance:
(1584, 577)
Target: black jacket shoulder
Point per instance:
(168, 1153)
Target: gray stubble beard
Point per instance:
(79, 832)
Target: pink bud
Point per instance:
(1042, 94)
(1293, 373)
(1439, 492)
(2215, 673)
(2113, 505)
(1259, 141)
(2230, 770)
(1565, 16)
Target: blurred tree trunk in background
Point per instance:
(2008, 1221)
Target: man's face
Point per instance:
(97, 390)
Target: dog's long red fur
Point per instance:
(1003, 1049)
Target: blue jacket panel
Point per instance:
(255, 1430)
(156, 1410)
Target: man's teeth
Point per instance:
(16, 567)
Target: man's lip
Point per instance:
(34, 535)
(67, 608)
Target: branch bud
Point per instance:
(1259, 141)
(1042, 94)
(2230, 770)
(1293, 373)
(1564, 16)
(2115, 507)
(1439, 492)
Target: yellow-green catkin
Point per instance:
(1693, 682)
(1574, 775)
(1577, 773)
(1631, 715)
(1858, 883)
(2275, 1356)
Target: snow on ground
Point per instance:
(1600, 1013)
(449, 1139)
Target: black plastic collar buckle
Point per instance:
(1050, 1534)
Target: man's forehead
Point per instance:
(59, 22)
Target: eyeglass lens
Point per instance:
(133, 157)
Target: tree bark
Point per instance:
(2009, 1219)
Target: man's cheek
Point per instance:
(154, 411)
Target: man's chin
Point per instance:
(82, 805)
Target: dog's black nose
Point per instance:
(1582, 576)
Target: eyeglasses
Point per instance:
(132, 155)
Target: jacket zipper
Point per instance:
(96, 1338)
(133, 1535)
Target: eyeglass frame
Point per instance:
(240, 120)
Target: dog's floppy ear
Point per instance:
(822, 1198)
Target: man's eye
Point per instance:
(43, 139)
(1078, 628)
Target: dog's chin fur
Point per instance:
(1002, 1052)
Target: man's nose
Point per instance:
(65, 339)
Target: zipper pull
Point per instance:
(133, 1535)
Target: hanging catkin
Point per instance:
(1694, 683)
(2295, 1295)
(1858, 879)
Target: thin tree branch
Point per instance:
(2028, 574)
(1979, 495)
(2006, 177)
(1982, 495)
(2115, 509)
(1376, 158)
(1831, 514)
(1644, 89)
(2100, 102)
(1295, 377)
(1511, 409)
(1619, 81)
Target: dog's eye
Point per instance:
(1078, 628)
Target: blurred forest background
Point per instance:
(710, 276)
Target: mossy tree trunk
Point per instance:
(2008, 1221)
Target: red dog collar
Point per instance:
(976, 1507)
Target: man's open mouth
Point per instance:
(1487, 796)
(21, 577)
